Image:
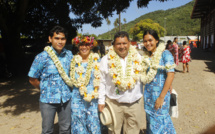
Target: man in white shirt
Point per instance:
(120, 88)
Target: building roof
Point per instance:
(202, 7)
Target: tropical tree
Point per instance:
(34, 18)
(108, 23)
(125, 22)
(116, 24)
(147, 24)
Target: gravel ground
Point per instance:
(19, 107)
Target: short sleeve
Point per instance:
(36, 67)
(70, 54)
(168, 61)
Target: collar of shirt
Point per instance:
(63, 52)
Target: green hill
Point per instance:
(178, 21)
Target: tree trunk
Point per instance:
(119, 21)
(13, 51)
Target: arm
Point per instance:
(36, 70)
(34, 82)
(167, 85)
(101, 100)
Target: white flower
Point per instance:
(110, 63)
(79, 69)
(96, 64)
(136, 59)
(80, 81)
(96, 56)
(120, 78)
(96, 82)
(84, 88)
(97, 74)
(111, 53)
(137, 67)
(112, 71)
(115, 80)
(78, 58)
(81, 91)
(88, 98)
(168, 66)
(110, 48)
(154, 64)
(124, 85)
(95, 94)
(136, 77)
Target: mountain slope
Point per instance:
(178, 21)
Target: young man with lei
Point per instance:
(49, 73)
(158, 74)
(120, 85)
(85, 76)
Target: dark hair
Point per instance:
(153, 33)
(169, 41)
(184, 42)
(57, 29)
(175, 38)
(120, 34)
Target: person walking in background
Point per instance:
(191, 45)
(157, 76)
(176, 48)
(102, 49)
(85, 75)
(185, 56)
(49, 73)
(169, 47)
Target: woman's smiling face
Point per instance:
(84, 50)
(150, 43)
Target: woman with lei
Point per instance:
(85, 76)
(158, 74)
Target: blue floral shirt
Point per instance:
(53, 89)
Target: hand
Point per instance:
(101, 107)
(159, 103)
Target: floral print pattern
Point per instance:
(185, 56)
(53, 89)
(84, 115)
(159, 121)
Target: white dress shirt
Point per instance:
(108, 88)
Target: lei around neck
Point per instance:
(153, 64)
(132, 71)
(58, 65)
(82, 82)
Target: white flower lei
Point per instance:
(115, 69)
(81, 81)
(153, 64)
(58, 65)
